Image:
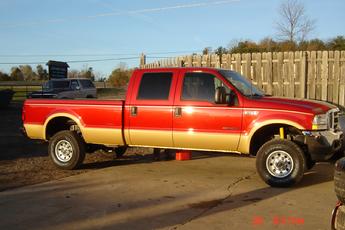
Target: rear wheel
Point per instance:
(66, 149)
(280, 163)
(339, 179)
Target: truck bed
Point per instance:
(100, 121)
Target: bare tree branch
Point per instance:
(293, 25)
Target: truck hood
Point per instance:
(298, 105)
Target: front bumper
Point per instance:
(322, 145)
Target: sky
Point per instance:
(85, 32)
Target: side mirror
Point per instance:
(220, 95)
(75, 87)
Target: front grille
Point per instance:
(333, 116)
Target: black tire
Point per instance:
(120, 151)
(281, 163)
(338, 218)
(339, 179)
(310, 163)
(66, 150)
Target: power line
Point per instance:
(98, 55)
(71, 61)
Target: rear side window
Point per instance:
(155, 86)
(86, 84)
(59, 84)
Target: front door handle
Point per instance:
(134, 111)
(178, 112)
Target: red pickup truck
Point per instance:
(194, 109)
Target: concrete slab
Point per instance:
(221, 192)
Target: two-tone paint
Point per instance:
(172, 123)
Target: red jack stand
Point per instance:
(183, 155)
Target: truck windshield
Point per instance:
(241, 83)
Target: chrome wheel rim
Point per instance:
(279, 164)
(63, 151)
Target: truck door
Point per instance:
(199, 123)
(75, 90)
(150, 108)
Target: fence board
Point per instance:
(318, 82)
(324, 75)
(336, 77)
(291, 77)
(342, 80)
(303, 75)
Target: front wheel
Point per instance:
(66, 149)
(280, 163)
(339, 179)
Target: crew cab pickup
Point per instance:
(193, 109)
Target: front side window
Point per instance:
(200, 87)
(87, 84)
(155, 86)
(74, 84)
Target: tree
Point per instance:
(314, 44)
(42, 73)
(88, 73)
(245, 47)
(120, 76)
(294, 25)
(207, 50)
(4, 76)
(73, 73)
(268, 45)
(337, 43)
(16, 74)
(220, 51)
(28, 74)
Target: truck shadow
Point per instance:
(13, 144)
(133, 158)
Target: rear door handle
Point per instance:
(134, 111)
(178, 112)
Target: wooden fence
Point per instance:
(316, 75)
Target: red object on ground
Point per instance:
(183, 155)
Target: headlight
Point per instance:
(320, 122)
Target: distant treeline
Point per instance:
(119, 76)
(270, 45)
(27, 73)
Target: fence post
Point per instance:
(142, 60)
